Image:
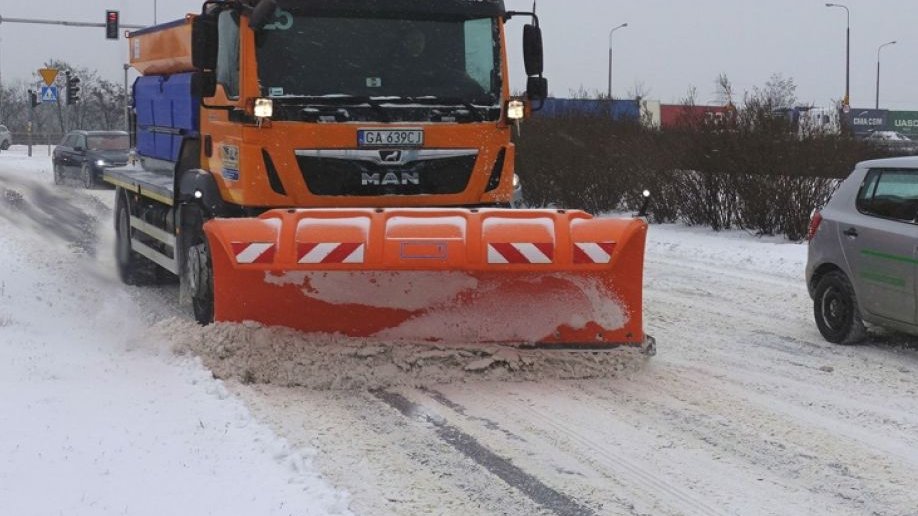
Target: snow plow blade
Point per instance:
(530, 278)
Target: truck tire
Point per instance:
(197, 275)
(133, 269)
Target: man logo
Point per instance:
(390, 179)
(390, 156)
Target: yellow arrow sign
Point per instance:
(48, 74)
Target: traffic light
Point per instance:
(33, 98)
(111, 24)
(73, 89)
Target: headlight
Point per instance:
(516, 181)
(264, 108)
(515, 110)
(101, 163)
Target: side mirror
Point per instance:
(532, 49)
(537, 88)
(204, 42)
(78, 149)
(203, 84)
(262, 14)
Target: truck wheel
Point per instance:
(201, 283)
(133, 269)
(198, 275)
(835, 309)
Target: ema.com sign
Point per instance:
(866, 121)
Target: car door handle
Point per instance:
(851, 232)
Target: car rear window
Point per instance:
(109, 142)
(890, 193)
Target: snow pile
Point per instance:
(99, 418)
(253, 353)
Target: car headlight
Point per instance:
(516, 181)
(101, 163)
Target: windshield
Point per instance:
(109, 142)
(375, 57)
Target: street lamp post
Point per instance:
(877, 106)
(847, 101)
(609, 89)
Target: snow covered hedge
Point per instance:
(755, 173)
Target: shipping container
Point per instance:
(674, 115)
(650, 113)
(619, 110)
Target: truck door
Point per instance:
(880, 244)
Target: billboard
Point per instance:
(672, 116)
(905, 122)
(866, 121)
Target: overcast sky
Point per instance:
(668, 46)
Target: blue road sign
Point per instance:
(49, 93)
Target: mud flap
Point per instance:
(549, 278)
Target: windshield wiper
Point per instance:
(335, 100)
(452, 101)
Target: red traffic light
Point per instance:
(111, 24)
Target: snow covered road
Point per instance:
(745, 409)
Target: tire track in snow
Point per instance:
(515, 477)
(828, 456)
(543, 429)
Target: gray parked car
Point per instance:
(6, 139)
(863, 252)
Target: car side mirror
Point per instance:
(262, 14)
(532, 49)
(204, 42)
(537, 88)
(78, 149)
(204, 84)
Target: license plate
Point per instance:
(390, 137)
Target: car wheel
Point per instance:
(836, 311)
(58, 174)
(86, 176)
(5, 145)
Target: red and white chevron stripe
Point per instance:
(254, 252)
(520, 252)
(330, 252)
(593, 252)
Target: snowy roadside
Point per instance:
(97, 417)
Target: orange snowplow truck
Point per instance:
(346, 167)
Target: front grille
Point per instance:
(375, 173)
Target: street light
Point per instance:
(878, 70)
(622, 26)
(847, 54)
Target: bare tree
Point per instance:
(723, 90)
(639, 90)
